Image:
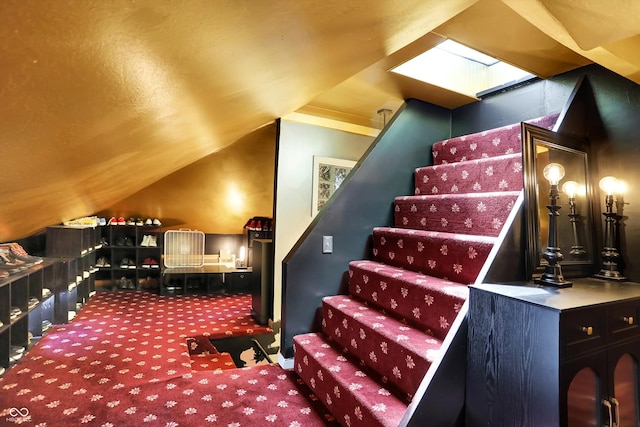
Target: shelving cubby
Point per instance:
(16, 291)
(125, 254)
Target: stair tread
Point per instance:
(427, 302)
(400, 353)
(473, 213)
(344, 389)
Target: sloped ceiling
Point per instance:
(100, 99)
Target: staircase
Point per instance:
(378, 342)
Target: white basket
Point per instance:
(183, 248)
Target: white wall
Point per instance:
(298, 144)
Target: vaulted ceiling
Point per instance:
(99, 99)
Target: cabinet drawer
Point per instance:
(623, 320)
(582, 330)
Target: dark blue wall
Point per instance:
(364, 201)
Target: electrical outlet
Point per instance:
(327, 244)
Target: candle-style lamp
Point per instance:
(571, 189)
(610, 256)
(552, 275)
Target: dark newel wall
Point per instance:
(363, 202)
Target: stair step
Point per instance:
(353, 397)
(490, 143)
(456, 257)
(475, 213)
(502, 173)
(399, 353)
(428, 303)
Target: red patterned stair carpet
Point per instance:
(124, 360)
(378, 342)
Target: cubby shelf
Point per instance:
(126, 248)
(24, 290)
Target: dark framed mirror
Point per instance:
(575, 223)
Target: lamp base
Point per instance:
(552, 281)
(610, 275)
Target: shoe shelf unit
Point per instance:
(129, 258)
(208, 279)
(75, 247)
(27, 309)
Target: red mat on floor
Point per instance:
(124, 360)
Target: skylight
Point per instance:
(461, 69)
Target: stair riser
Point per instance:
(428, 303)
(482, 214)
(481, 176)
(494, 142)
(398, 353)
(334, 380)
(452, 257)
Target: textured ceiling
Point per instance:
(100, 99)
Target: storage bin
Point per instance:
(183, 248)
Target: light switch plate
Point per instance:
(327, 244)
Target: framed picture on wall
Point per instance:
(328, 175)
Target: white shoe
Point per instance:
(156, 222)
(153, 241)
(145, 240)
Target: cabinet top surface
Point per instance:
(584, 292)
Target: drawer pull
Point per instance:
(607, 405)
(616, 411)
(629, 320)
(588, 330)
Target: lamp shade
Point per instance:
(609, 185)
(553, 173)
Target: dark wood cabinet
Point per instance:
(262, 281)
(554, 357)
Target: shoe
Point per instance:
(146, 263)
(102, 221)
(120, 241)
(46, 293)
(33, 301)
(131, 221)
(139, 222)
(9, 262)
(123, 283)
(14, 313)
(156, 223)
(153, 241)
(128, 241)
(130, 284)
(19, 253)
(121, 221)
(124, 263)
(103, 241)
(154, 263)
(148, 222)
(132, 265)
(145, 240)
(112, 221)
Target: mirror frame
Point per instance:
(570, 268)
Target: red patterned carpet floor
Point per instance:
(124, 361)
